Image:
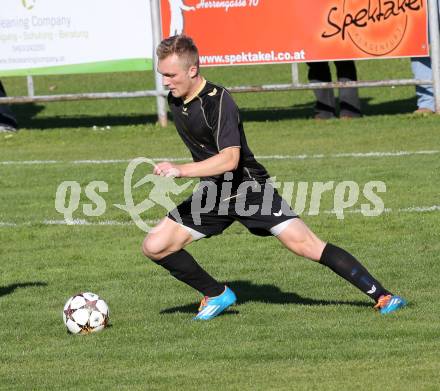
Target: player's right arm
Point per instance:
(226, 160)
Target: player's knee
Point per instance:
(312, 248)
(153, 247)
(309, 246)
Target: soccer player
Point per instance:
(234, 187)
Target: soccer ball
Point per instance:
(85, 313)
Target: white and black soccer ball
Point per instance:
(85, 313)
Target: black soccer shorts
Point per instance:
(210, 210)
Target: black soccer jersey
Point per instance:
(209, 122)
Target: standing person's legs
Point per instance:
(319, 72)
(7, 118)
(349, 102)
(421, 68)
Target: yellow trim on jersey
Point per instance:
(197, 92)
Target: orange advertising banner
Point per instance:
(231, 32)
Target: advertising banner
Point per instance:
(63, 36)
(279, 31)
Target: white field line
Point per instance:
(4, 224)
(85, 222)
(75, 222)
(82, 222)
(263, 157)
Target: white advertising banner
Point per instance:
(81, 36)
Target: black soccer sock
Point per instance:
(348, 267)
(184, 267)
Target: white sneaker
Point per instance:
(6, 128)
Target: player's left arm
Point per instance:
(226, 160)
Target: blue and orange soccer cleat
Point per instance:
(210, 307)
(389, 303)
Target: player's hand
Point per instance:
(167, 169)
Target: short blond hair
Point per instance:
(181, 45)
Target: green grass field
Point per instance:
(296, 326)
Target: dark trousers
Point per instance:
(349, 103)
(6, 115)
